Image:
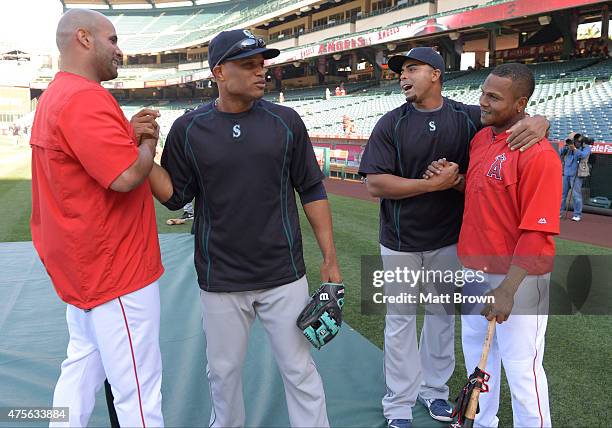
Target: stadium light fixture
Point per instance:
(391, 46)
(453, 35)
(337, 56)
(281, 18)
(173, 4)
(544, 20)
(133, 6)
(87, 6)
(305, 9)
(317, 6)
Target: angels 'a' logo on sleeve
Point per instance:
(496, 167)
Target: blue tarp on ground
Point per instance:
(34, 336)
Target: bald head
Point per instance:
(73, 21)
(87, 42)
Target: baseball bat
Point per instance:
(470, 412)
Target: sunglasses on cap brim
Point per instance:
(240, 46)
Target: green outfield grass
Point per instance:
(578, 350)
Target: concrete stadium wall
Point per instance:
(14, 103)
(501, 43)
(288, 43)
(446, 5)
(317, 36)
(340, 9)
(424, 9)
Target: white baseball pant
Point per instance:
(118, 340)
(518, 344)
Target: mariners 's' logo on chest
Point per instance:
(496, 167)
(236, 131)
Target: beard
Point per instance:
(411, 98)
(106, 68)
(486, 120)
(113, 72)
(110, 71)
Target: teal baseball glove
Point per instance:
(321, 319)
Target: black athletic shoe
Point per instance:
(187, 216)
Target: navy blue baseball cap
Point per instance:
(424, 55)
(237, 44)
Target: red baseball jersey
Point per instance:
(96, 244)
(508, 193)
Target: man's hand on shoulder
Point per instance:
(527, 132)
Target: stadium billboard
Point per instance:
(173, 81)
(201, 75)
(154, 83)
(602, 148)
(529, 51)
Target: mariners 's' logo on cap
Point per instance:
(496, 167)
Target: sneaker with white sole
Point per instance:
(576, 218)
(439, 409)
(186, 216)
(399, 423)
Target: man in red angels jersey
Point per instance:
(93, 226)
(510, 218)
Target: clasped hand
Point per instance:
(145, 125)
(442, 175)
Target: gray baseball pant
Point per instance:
(227, 319)
(412, 370)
